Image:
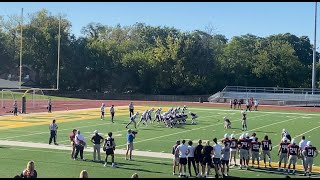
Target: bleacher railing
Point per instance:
(278, 90)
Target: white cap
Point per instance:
(232, 135)
(226, 135)
(293, 141)
(95, 131)
(247, 134)
(224, 118)
(283, 130)
(309, 143)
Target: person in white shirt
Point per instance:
(302, 145)
(216, 158)
(112, 112)
(80, 144)
(182, 149)
(102, 111)
(191, 159)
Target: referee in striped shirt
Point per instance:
(53, 132)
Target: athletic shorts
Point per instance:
(109, 151)
(225, 162)
(216, 161)
(130, 146)
(102, 113)
(183, 161)
(255, 155)
(198, 159)
(207, 160)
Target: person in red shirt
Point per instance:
(266, 148)
(72, 136)
(293, 154)
(309, 152)
(255, 148)
(283, 149)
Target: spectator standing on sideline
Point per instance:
(182, 149)
(15, 108)
(216, 158)
(109, 146)
(175, 157)
(80, 144)
(84, 174)
(207, 152)
(131, 109)
(112, 112)
(130, 137)
(72, 137)
(53, 132)
(102, 111)
(30, 171)
(96, 140)
(49, 106)
(198, 156)
(191, 160)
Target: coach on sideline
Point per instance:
(96, 140)
(53, 132)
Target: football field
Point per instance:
(26, 137)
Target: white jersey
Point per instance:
(191, 150)
(132, 118)
(256, 103)
(144, 114)
(302, 144)
(150, 112)
(102, 108)
(130, 106)
(157, 112)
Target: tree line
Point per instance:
(151, 59)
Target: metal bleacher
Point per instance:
(270, 95)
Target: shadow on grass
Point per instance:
(160, 163)
(264, 132)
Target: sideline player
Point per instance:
(244, 120)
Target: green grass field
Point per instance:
(153, 138)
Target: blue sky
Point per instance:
(228, 18)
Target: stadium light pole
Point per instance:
(59, 36)
(314, 52)
(21, 24)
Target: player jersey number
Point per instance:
(310, 152)
(293, 150)
(266, 144)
